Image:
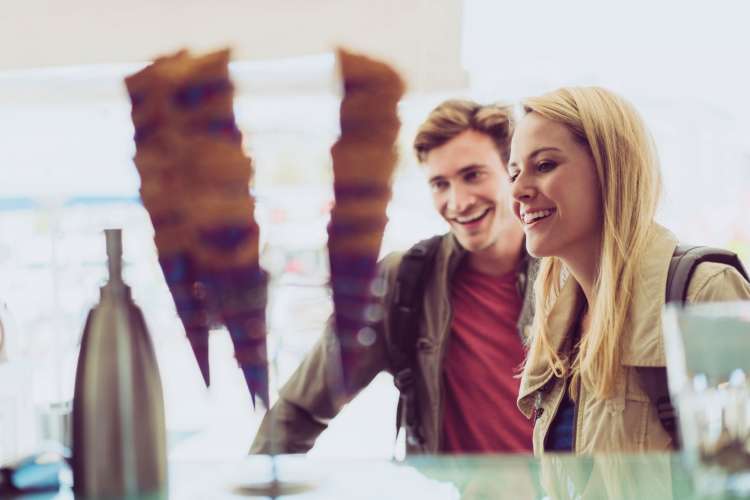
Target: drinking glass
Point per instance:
(708, 362)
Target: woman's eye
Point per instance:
(438, 185)
(513, 176)
(546, 166)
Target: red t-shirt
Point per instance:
(483, 357)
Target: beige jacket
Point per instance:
(627, 422)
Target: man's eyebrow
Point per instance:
(471, 166)
(535, 153)
(461, 171)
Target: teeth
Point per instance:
(464, 220)
(530, 217)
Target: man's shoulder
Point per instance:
(390, 264)
(440, 242)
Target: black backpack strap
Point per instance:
(685, 260)
(654, 383)
(405, 311)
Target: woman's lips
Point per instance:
(537, 222)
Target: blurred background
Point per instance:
(66, 164)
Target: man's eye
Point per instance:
(472, 176)
(439, 185)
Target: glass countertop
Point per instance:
(518, 477)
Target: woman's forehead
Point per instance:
(534, 131)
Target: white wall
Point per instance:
(421, 37)
(683, 64)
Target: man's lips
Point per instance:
(473, 219)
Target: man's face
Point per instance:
(471, 190)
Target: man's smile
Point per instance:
(471, 219)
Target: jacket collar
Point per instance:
(641, 342)
(560, 320)
(452, 254)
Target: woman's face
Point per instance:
(556, 192)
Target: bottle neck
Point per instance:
(115, 287)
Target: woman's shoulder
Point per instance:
(715, 282)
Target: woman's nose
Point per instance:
(523, 188)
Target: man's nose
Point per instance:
(459, 199)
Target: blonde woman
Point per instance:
(586, 184)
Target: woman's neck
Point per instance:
(585, 320)
(585, 272)
(583, 262)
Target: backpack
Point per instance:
(654, 379)
(415, 271)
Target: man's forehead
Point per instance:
(463, 154)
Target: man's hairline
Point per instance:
(503, 161)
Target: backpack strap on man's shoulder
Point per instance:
(685, 260)
(413, 272)
(405, 312)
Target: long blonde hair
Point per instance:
(628, 172)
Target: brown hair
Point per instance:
(455, 116)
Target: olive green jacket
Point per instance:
(310, 399)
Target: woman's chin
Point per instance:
(535, 249)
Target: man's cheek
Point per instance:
(439, 205)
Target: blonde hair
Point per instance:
(628, 171)
(455, 116)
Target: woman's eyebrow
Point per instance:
(535, 153)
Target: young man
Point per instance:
(476, 306)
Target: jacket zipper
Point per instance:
(555, 407)
(443, 340)
(576, 413)
(441, 385)
(577, 402)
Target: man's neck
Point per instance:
(499, 259)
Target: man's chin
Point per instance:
(473, 244)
